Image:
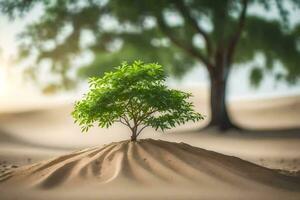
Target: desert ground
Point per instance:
(53, 160)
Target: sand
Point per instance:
(45, 134)
(156, 164)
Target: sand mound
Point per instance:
(148, 162)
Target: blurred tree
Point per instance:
(176, 33)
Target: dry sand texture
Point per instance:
(155, 164)
(35, 136)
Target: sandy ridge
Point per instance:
(149, 162)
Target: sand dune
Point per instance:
(152, 169)
(151, 163)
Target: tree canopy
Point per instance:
(134, 95)
(218, 34)
(145, 29)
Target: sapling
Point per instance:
(136, 96)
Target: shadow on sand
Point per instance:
(8, 138)
(247, 133)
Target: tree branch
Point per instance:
(130, 109)
(122, 122)
(189, 18)
(189, 49)
(236, 36)
(141, 130)
(139, 121)
(126, 121)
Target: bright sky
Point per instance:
(12, 86)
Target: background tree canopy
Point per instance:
(217, 34)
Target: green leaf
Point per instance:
(134, 94)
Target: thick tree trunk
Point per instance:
(219, 112)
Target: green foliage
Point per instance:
(134, 95)
(275, 43)
(275, 39)
(256, 76)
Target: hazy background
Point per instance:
(14, 90)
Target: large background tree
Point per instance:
(143, 29)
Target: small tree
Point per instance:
(134, 95)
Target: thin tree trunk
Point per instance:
(134, 134)
(133, 137)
